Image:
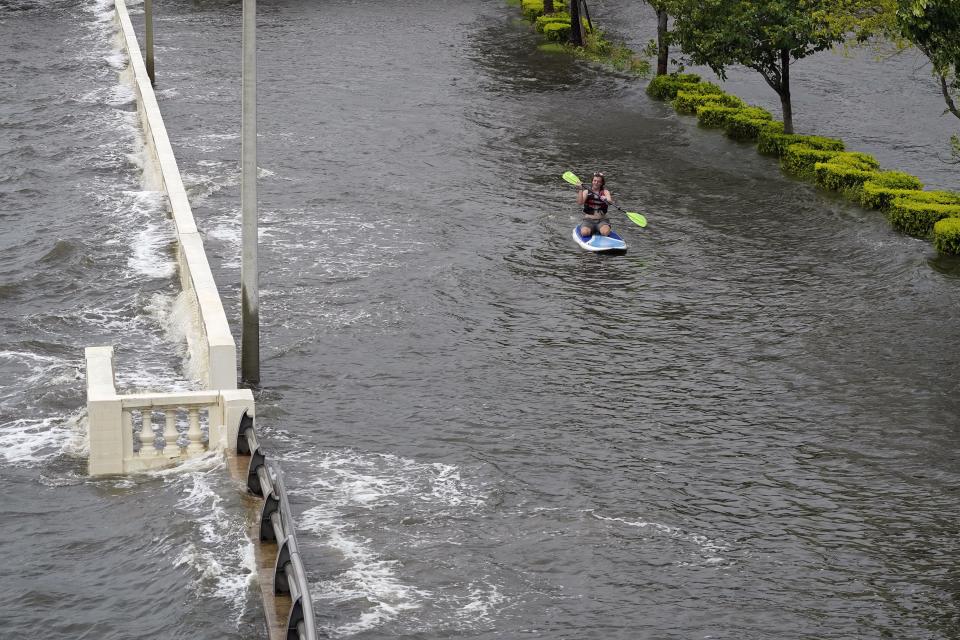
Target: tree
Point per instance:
(548, 6)
(663, 35)
(763, 35)
(576, 25)
(933, 26)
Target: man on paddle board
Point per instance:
(594, 200)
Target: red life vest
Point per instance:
(594, 204)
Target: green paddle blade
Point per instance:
(570, 177)
(638, 219)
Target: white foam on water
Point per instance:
(369, 577)
(708, 548)
(223, 558)
(182, 326)
(29, 441)
(347, 480)
(35, 369)
(151, 243)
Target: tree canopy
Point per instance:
(763, 35)
(933, 26)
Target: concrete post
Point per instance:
(233, 404)
(104, 414)
(148, 12)
(249, 274)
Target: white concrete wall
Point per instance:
(111, 429)
(220, 354)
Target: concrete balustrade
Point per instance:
(144, 431)
(218, 354)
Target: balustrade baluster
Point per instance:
(194, 433)
(148, 444)
(171, 448)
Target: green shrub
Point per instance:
(856, 160)
(799, 159)
(775, 144)
(557, 31)
(741, 126)
(946, 235)
(549, 18)
(531, 9)
(688, 101)
(875, 196)
(714, 115)
(897, 180)
(935, 197)
(842, 177)
(917, 217)
(877, 192)
(665, 87)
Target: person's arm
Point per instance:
(606, 196)
(581, 194)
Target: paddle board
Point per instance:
(600, 244)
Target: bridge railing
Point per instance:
(144, 431)
(276, 525)
(217, 356)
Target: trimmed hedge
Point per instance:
(665, 87)
(917, 217)
(557, 31)
(748, 124)
(688, 101)
(531, 9)
(775, 144)
(821, 159)
(878, 191)
(856, 160)
(842, 177)
(799, 159)
(549, 18)
(946, 235)
(715, 115)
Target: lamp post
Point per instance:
(148, 27)
(249, 274)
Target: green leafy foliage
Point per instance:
(916, 217)
(763, 35)
(544, 20)
(799, 159)
(775, 144)
(746, 127)
(842, 177)
(665, 87)
(715, 116)
(557, 31)
(946, 236)
(878, 191)
(687, 101)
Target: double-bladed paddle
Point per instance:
(635, 217)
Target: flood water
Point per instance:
(745, 427)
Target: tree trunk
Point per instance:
(548, 6)
(663, 49)
(576, 26)
(784, 91)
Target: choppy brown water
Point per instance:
(743, 428)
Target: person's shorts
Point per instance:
(595, 225)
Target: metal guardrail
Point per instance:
(276, 525)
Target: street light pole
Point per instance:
(249, 273)
(148, 27)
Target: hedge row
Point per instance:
(556, 26)
(824, 161)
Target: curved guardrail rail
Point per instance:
(276, 525)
